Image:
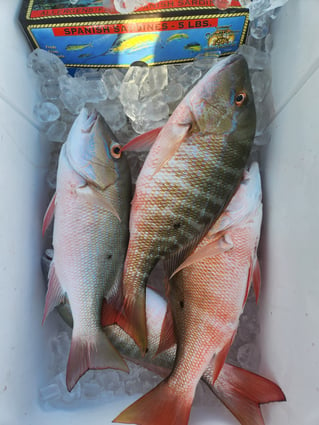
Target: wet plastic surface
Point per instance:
(289, 300)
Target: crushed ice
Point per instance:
(134, 101)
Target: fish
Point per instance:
(147, 58)
(85, 55)
(90, 236)
(194, 47)
(241, 391)
(75, 47)
(178, 36)
(206, 297)
(132, 43)
(194, 165)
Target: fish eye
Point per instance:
(240, 98)
(116, 151)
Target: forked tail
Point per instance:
(242, 392)
(91, 352)
(160, 406)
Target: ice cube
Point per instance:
(172, 72)
(46, 65)
(136, 75)
(259, 27)
(88, 73)
(66, 396)
(155, 82)
(57, 132)
(173, 92)
(222, 4)
(262, 139)
(249, 328)
(154, 109)
(91, 390)
(46, 112)
(188, 75)
(258, 8)
(256, 59)
(245, 3)
(94, 91)
(205, 61)
(268, 43)
(60, 345)
(129, 93)
(260, 81)
(72, 94)
(112, 79)
(50, 89)
(248, 356)
(50, 392)
(142, 125)
(113, 113)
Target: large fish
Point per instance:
(189, 176)
(207, 296)
(90, 236)
(239, 390)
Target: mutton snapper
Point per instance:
(206, 297)
(189, 176)
(239, 390)
(90, 236)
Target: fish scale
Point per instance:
(189, 176)
(90, 237)
(206, 298)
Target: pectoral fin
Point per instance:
(172, 136)
(216, 247)
(93, 197)
(143, 142)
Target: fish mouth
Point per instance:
(89, 119)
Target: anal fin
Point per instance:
(48, 216)
(55, 294)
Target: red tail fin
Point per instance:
(161, 406)
(242, 392)
(94, 352)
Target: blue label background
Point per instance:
(98, 53)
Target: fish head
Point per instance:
(92, 149)
(222, 103)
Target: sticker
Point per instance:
(155, 41)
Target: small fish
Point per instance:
(191, 172)
(194, 47)
(75, 47)
(85, 55)
(132, 43)
(178, 36)
(90, 236)
(147, 59)
(206, 297)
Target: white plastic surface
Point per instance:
(290, 296)
(290, 266)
